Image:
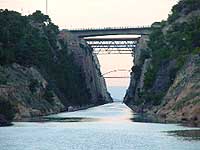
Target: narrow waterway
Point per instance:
(107, 127)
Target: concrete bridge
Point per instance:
(111, 31)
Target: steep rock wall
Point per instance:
(43, 72)
(182, 101)
(26, 90)
(166, 82)
(141, 64)
(89, 63)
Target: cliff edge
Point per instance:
(165, 77)
(44, 70)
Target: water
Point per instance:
(117, 92)
(108, 127)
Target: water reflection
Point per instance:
(108, 127)
(186, 134)
(114, 112)
(146, 118)
(67, 119)
(106, 113)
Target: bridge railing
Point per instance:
(109, 28)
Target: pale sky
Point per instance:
(99, 13)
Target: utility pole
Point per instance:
(46, 7)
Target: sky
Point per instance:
(70, 14)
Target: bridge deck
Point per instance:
(108, 28)
(111, 39)
(111, 31)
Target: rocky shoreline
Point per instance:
(4, 122)
(152, 117)
(42, 118)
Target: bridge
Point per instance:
(114, 77)
(145, 30)
(104, 46)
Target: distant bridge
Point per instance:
(114, 77)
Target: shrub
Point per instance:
(33, 85)
(183, 8)
(181, 40)
(3, 79)
(149, 78)
(6, 109)
(196, 50)
(32, 41)
(145, 54)
(48, 95)
(152, 98)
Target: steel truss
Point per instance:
(104, 46)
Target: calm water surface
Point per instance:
(108, 127)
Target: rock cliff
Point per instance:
(44, 70)
(26, 90)
(89, 63)
(141, 64)
(182, 100)
(165, 77)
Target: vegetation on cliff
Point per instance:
(6, 109)
(184, 7)
(32, 41)
(174, 40)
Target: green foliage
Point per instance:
(11, 29)
(181, 40)
(70, 79)
(160, 50)
(6, 109)
(195, 102)
(39, 17)
(183, 8)
(3, 76)
(177, 43)
(33, 85)
(22, 39)
(48, 95)
(196, 50)
(145, 54)
(3, 79)
(183, 102)
(149, 77)
(32, 41)
(151, 98)
(180, 61)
